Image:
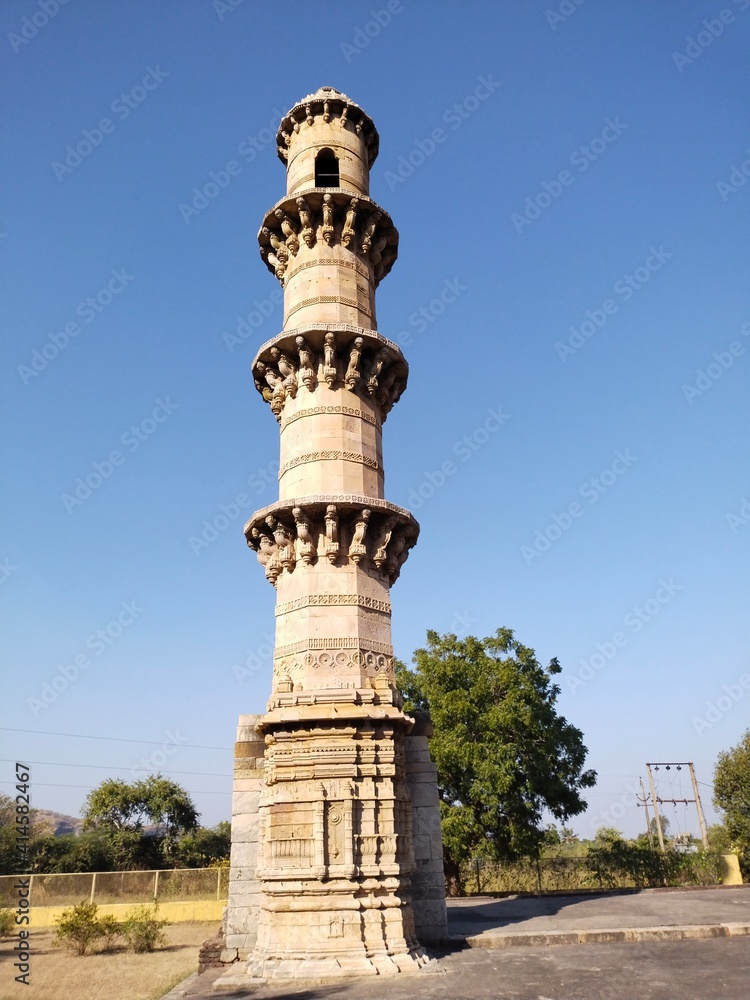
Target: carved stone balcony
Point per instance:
(330, 356)
(326, 219)
(369, 532)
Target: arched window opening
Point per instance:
(326, 169)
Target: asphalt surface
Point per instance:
(650, 908)
(497, 966)
(681, 970)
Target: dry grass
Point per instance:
(58, 974)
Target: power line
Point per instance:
(112, 767)
(109, 739)
(90, 788)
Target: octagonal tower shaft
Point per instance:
(332, 840)
(332, 545)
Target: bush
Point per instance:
(79, 928)
(7, 922)
(110, 930)
(142, 929)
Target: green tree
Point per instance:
(732, 796)
(118, 806)
(119, 810)
(503, 753)
(113, 805)
(204, 848)
(38, 828)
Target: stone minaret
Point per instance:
(336, 854)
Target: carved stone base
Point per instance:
(335, 929)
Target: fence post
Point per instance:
(538, 877)
(31, 886)
(93, 887)
(156, 885)
(218, 883)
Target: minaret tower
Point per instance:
(335, 822)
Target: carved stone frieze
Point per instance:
(333, 217)
(330, 357)
(371, 533)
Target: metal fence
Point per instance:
(178, 885)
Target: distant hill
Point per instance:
(59, 823)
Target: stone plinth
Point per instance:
(428, 879)
(244, 888)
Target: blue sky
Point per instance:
(571, 295)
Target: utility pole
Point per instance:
(697, 800)
(649, 831)
(659, 834)
(699, 808)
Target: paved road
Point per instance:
(701, 969)
(482, 915)
(682, 970)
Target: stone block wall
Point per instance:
(428, 880)
(244, 888)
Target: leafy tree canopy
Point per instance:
(732, 796)
(117, 805)
(503, 753)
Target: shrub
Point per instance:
(79, 928)
(142, 928)
(110, 930)
(7, 922)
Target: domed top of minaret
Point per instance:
(327, 103)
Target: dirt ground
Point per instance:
(58, 974)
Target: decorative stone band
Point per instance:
(347, 411)
(330, 455)
(334, 600)
(372, 533)
(326, 644)
(353, 265)
(331, 105)
(341, 300)
(331, 217)
(337, 355)
(296, 664)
